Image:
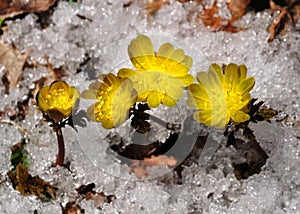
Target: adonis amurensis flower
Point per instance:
(57, 100)
(158, 77)
(115, 97)
(221, 95)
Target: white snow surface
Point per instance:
(104, 35)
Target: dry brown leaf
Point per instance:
(139, 167)
(210, 18)
(288, 15)
(153, 6)
(73, 208)
(98, 197)
(161, 160)
(27, 184)
(13, 61)
(11, 8)
(183, 1)
(238, 8)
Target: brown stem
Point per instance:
(61, 148)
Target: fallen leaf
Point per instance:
(266, 113)
(237, 8)
(211, 18)
(11, 8)
(73, 208)
(98, 197)
(259, 112)
(127, 4)
(288, 15)
(26, 184)
(139, 167)
(154, 6)
(13, 61)
(161, 160)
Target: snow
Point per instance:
(209, 186)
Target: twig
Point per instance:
(24, 131)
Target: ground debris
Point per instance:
(73, 208)
(139, 156)
(11, 8)
(289, 14)
(13, 61)
(87, 192)
(26, 184)
(139, 167)
(153, 6)
(211, 18)
(250, 158)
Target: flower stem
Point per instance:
(61, 148)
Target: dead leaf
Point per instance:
(154, 6)
(11, 8)
(13, 61)
(288, 15)
(28, 185)
(238, 8)
(139, 167)
(211, 19)
(98, 197)
(73, 208)
(183, 1)
(127, 4)
(160, 160)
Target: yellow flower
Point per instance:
(115, 97)
(57, 100)
(158, 77)
(221, 95)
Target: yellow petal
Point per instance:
(56, 85)
(107, 123)
(142, 97)
(198, 91)
(246, 85)
(214, 81)
(230, 72)
(218, 119)
(153, 99)
(218, 70)
(204, 116)
(126, 72)
(239, 76)
(89, 94)
(187, 62)
(187, 79)
(111, 79)
(191, 103)
(243, 70)
(239, 116)
(178, 55)
(165, 50)
(43, 102)
(174, 91)
(196, 116)
(101, 77)
(95, 85)
(141, 52)
(202, 78)
(74, 93)
(168, 101)
(91, 112)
